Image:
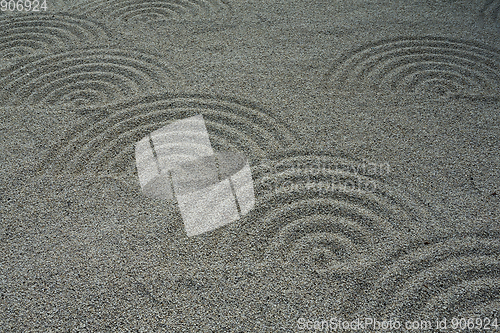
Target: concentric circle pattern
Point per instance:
(452, 278)
(490, 14)
(428, 66)
(324, 213)
(85, 77)
(106, 145)
(27, 34)
(156, 10)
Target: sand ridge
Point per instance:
(313, 93)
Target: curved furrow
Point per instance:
(25, 34)
(439, 279)
(433, 66)
(156, 10)
(105, 144)
(318, 211)
(89, 73)
(328, 244)
(477, 298)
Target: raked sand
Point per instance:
(371, 128)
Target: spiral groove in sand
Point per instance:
(490, 14)
(156, 10)
(432, 66)
(320, 212)
(107, 144)
(452, 278)
(25, 34)
(89, 76)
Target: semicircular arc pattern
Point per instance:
(429, 66)
(456, 277)
(29, 34)
(105, 144)
(325, 213)
(86, 77)
(156, 10)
